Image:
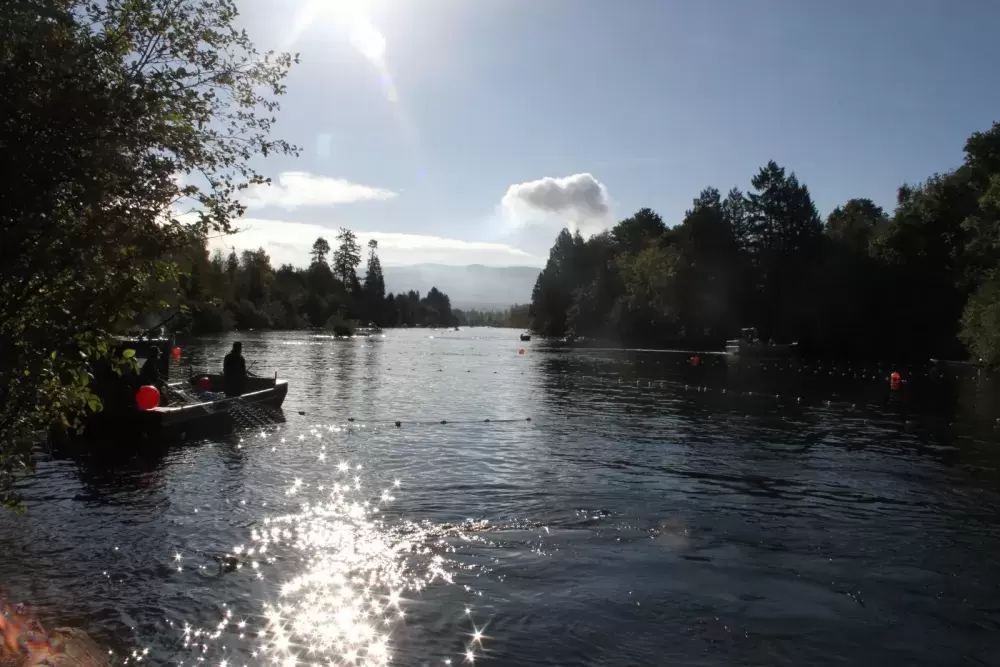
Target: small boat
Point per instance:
(257, 391)
(190, 410)
(947, 367)
(187, 408)
(749, 344)
(526, 336)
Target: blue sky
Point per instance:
(439, 119)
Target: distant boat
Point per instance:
(749, 344)
(958, 368)
(526, 336)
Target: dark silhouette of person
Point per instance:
(234, 371)
(150, 374)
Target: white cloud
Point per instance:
(572, 200)
(290, 243)
(298, 188)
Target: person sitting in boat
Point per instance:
(150, 374)
(234, 371)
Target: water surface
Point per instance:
(618, 508)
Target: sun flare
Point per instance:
(349, 18)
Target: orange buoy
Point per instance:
(176, 352)
(894, 380)
(521, 351)
(148, 397)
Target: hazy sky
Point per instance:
(471, 131)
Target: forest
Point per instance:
(923, 280)
(220, 292)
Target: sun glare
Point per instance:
(368, 40)
(350, 16)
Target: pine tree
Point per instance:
(320, 249)
(347, 257)
(374, 288)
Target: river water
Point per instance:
(618, 508)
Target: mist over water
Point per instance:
(649, 513)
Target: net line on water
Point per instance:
(252, 416)
(829, 404)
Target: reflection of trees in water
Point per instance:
(630, 387)
(111, 473)
(372, 351)
(346, 367)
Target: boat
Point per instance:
(190, 410)
(948, 367)
(188, 405)
(749, 344)
(526, 336)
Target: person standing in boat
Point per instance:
(234, 371)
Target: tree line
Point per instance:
(922, 280)
(515, 317)
(220, 291)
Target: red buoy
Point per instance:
(176, 352)
(695, 360)
(148, 397)
(894, 380)
(204, 383)
(521, 351)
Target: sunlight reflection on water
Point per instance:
(341, 604)
(590, 507)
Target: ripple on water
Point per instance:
(649, 513)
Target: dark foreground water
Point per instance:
(649, 513)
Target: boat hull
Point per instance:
(170, 420)
(749, 350)
(179, 421)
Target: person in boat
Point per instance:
(234, 371)
(150, 374)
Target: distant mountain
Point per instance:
(472, 286)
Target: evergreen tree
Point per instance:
(374, 287)
(347, 257)
(320, 249)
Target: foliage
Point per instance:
(515, 317)
(341, 326)
(132, 124)
(863, 283)
(855, 223)
(320, 249)
(981, 322)
(347, 258)
(221, 292)
(374, 287)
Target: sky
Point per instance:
(472, 131)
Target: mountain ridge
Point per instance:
(468, 285)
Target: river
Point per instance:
(618, 508)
